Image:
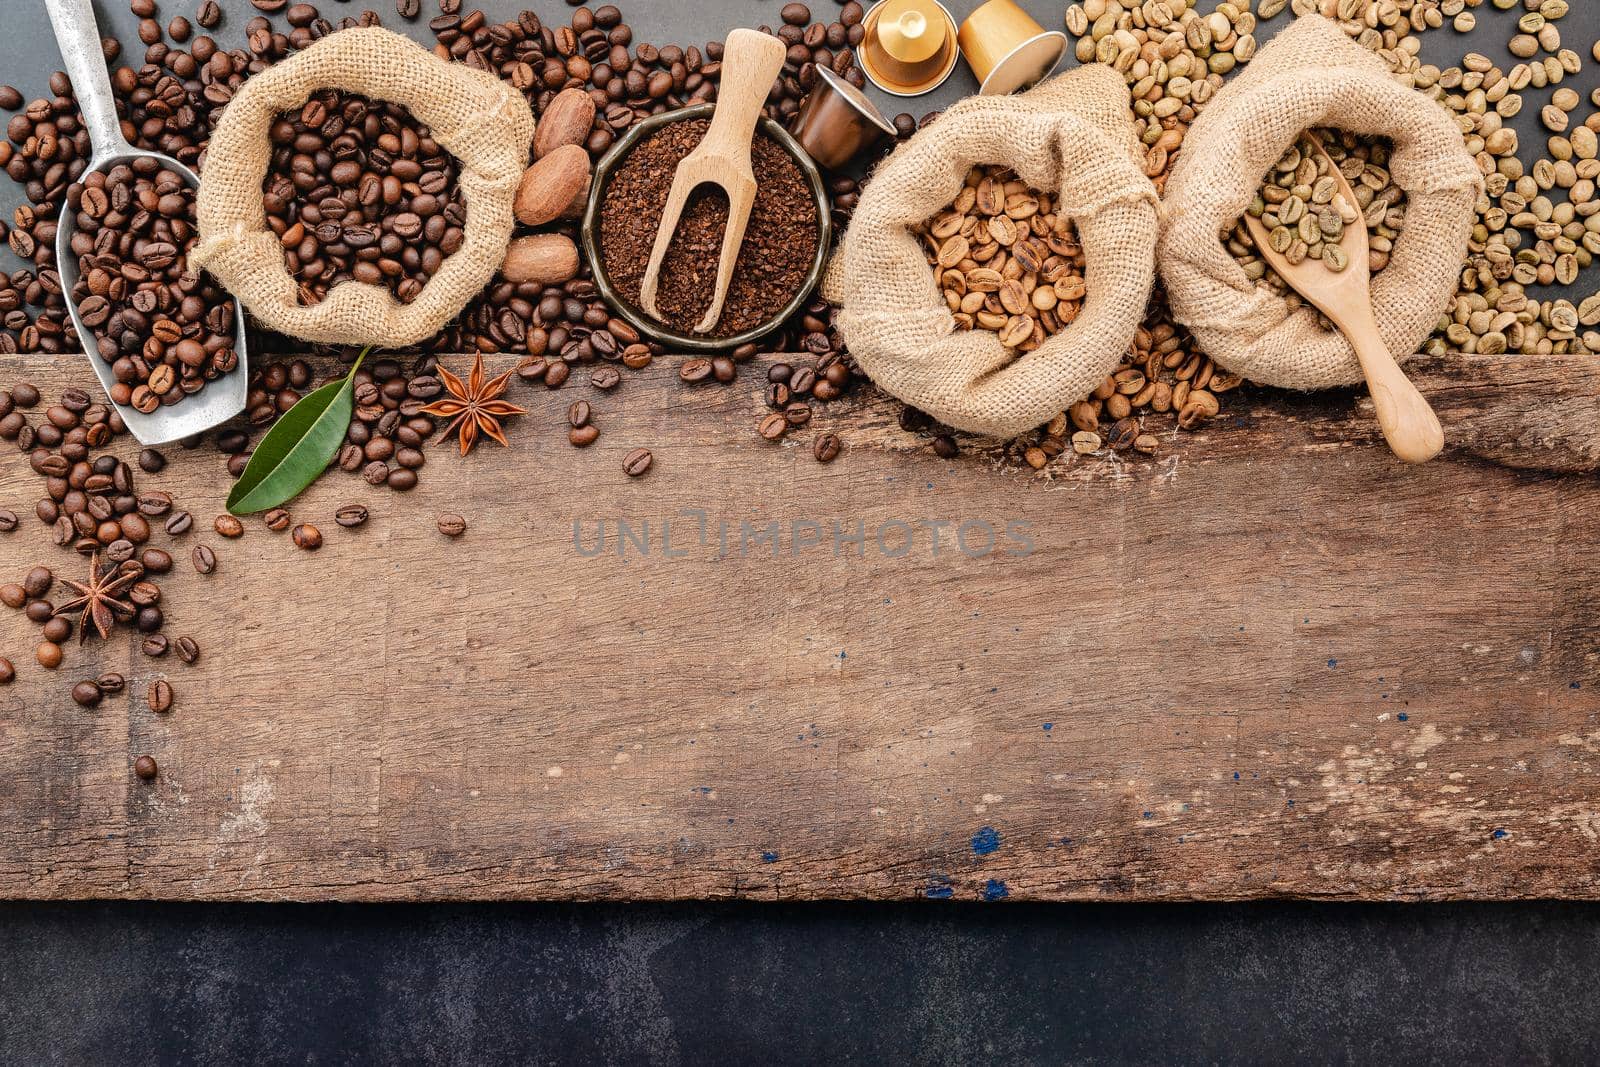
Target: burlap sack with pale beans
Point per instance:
(1073, 137)
(1312, 75)
(483, 122)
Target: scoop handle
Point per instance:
(1406, 418)
(79, 37)
(751, 63)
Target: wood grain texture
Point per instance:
(1271, 661)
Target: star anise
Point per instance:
(475, 405)
(100, 600)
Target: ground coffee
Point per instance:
(779, 246)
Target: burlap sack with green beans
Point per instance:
(484, 122)
(1073, 137)
(1312, 75)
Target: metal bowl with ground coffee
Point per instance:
(780, 245)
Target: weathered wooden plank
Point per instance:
(1270, 661)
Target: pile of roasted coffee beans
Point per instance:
(164, 329)
(358, 190)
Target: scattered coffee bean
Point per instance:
(179, 523)
(145, 766)
(307, 536)
(37, 582)
(583, 436)
(57, 630)
(111, 682)
(636, 462)
(8, 672)
(13, 595)
(350, 516)
(278, 520)
(204, 559)
(452, 525)
(158, 697)
(773, 426)
(8, 520)
(48, 654)
(87, 694)
(188, 649)
(826, 447)
(228, 526)
(155, 646)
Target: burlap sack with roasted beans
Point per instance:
(1071, 137)
(483, 122)
(1312, 75)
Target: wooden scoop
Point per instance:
(751, 62)
(1408, 422)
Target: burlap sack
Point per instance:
(1073, 137)
(485, 123)
(1312, 75)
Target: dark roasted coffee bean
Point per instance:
(158, 697)
(188, 649)
(945, 446)
(277, 519)
(407, 9)
(351, 515)
(58, 630)
(695, 370)
(37, 582)
(151, 461)
(145, 766)
(636, 462)
(826, 447)
(111, 682)
(156, 561)
(155, 646)
(605, 378)
(8, 672)
(578, 413)
(773, 426)
(179, 523)
(452, 525)
(583, 436)
(87, 694)
(307, 537)
(204, 559)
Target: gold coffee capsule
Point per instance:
(910, 46)
(1007, 49)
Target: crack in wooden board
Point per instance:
(1270, 662)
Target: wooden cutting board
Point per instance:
(1268, 661)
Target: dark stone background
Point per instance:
(808, 984)
(930, 983)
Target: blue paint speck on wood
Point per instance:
(995, 889)
(1332, 663)
(1575, 685)
(1403, 717)
(1049, 726)
(939, 891)
(1149, 815)
(986, 841)
(1498, 834)
(1236, 776)
(769, 857)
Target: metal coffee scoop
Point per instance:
(221, 399)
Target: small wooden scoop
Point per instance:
(751, 62)
(1408, 423)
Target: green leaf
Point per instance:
(298, 448)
